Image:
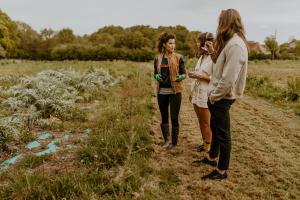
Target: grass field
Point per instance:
(279, 72)
(112, 162)
(277, 81)
(122, 157)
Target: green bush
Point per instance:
(293, 91)
(258, 56)
(262, 87)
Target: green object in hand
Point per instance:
(179, 78)
(157, 77)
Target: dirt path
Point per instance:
(265, 160)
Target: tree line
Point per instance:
(137, 43)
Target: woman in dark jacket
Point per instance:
(169, 71)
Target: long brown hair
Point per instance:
(230, 22)
(202, 38)
(163, 38)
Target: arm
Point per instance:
(155, 66)
(211, 51)
(205, 73)
(232, 67)
(182, 70)
(156, 75)
(200, 75)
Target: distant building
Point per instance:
(256, 47)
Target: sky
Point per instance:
(261, 18)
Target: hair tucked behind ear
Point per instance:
(163, 38)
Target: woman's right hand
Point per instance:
(210, 47)
(157, 77)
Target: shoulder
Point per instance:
(179, 57)
(157, 56)
(236, 42)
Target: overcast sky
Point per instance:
(261, 17)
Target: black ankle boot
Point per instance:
(175, 133)
(165, 131)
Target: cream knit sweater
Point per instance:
(230, 71)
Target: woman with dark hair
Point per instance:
(169, 71)
(199, 98)
(227, 84)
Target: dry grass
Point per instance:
(279, 72)
(277, 81)
(114, 162)
(111, 163)
(265, 156)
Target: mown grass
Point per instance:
(112, 163)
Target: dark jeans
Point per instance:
(221, 137)
(174, 100)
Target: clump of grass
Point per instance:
(293, 91)
(168, 179)
(26, 137)
(32, 161)
(41, 186)
(8, 132)
(87, 154)
(9, 80)
(297, 109)
(262, 87)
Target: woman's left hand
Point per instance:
(179, 78)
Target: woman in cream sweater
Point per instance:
(226, 85)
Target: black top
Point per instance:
(165, 71)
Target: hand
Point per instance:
(210, 47)
(179, 78)
(210, 100)
(191, 74)
(198, 75)
(157, 77)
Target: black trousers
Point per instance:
(221, 136)
(174, 100)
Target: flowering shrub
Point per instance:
(49, 94)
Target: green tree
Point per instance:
(102, 39)
(47, 33)
(132, 40)
(190, 45)
(272, 45)
(2, 52)
(9, 39)
(65, 36)
(30, 41)
(111, 30)
(48, 42)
